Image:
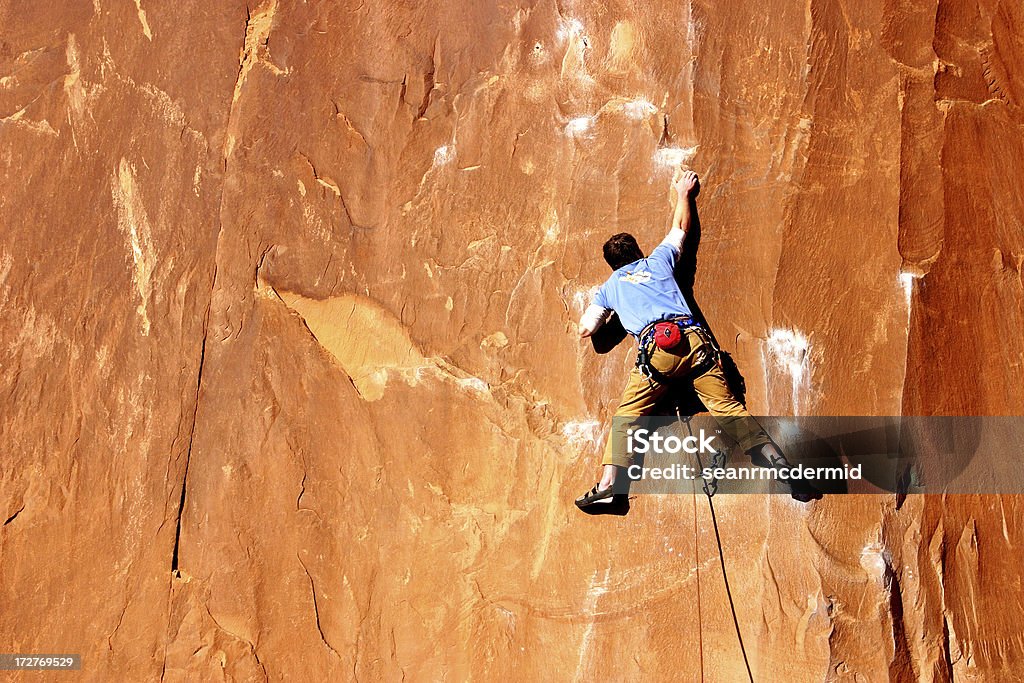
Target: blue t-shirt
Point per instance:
(645, 291)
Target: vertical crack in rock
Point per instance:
(947, 651)
(188, 453)
(428, 81)
(316, 608)
(900, 668)
(302, 492)
(257, 35)
(120, 618)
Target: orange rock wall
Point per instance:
(290, 375)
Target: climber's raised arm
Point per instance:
(685, 186)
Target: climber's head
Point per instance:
(621, 250)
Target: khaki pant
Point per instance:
(641, 395)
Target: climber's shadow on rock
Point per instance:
(686, 274)
(608, 336)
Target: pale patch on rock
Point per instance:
(330, 185)
(142, 20)
(622, 45)
(482, 242)
(134, 223)
(443, 155)
(553, 230)
(365, 340)
(574, 64)
(6, 261)
(372, 346)
(72, 80)
(694, 30)
(496, 340)
(538, 55)
(37, 334)
(18, 118)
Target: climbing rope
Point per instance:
(709, 492)
(696, 556)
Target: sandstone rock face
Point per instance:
(289, 294)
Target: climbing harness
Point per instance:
(717, 460)
(668, 334)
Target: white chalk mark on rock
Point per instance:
(597, 589)
(674, 156)
(907, 284)
(443, 155)
(582, 298)
(568, 28)
(581, 433)
(474, 384)
(788, 353)
(872, 560)
(638, 109)
(579, 126)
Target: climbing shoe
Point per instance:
(595, 496)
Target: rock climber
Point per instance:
(673, 347)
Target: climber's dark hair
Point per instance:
(621, 250)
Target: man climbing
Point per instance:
(673, 347)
